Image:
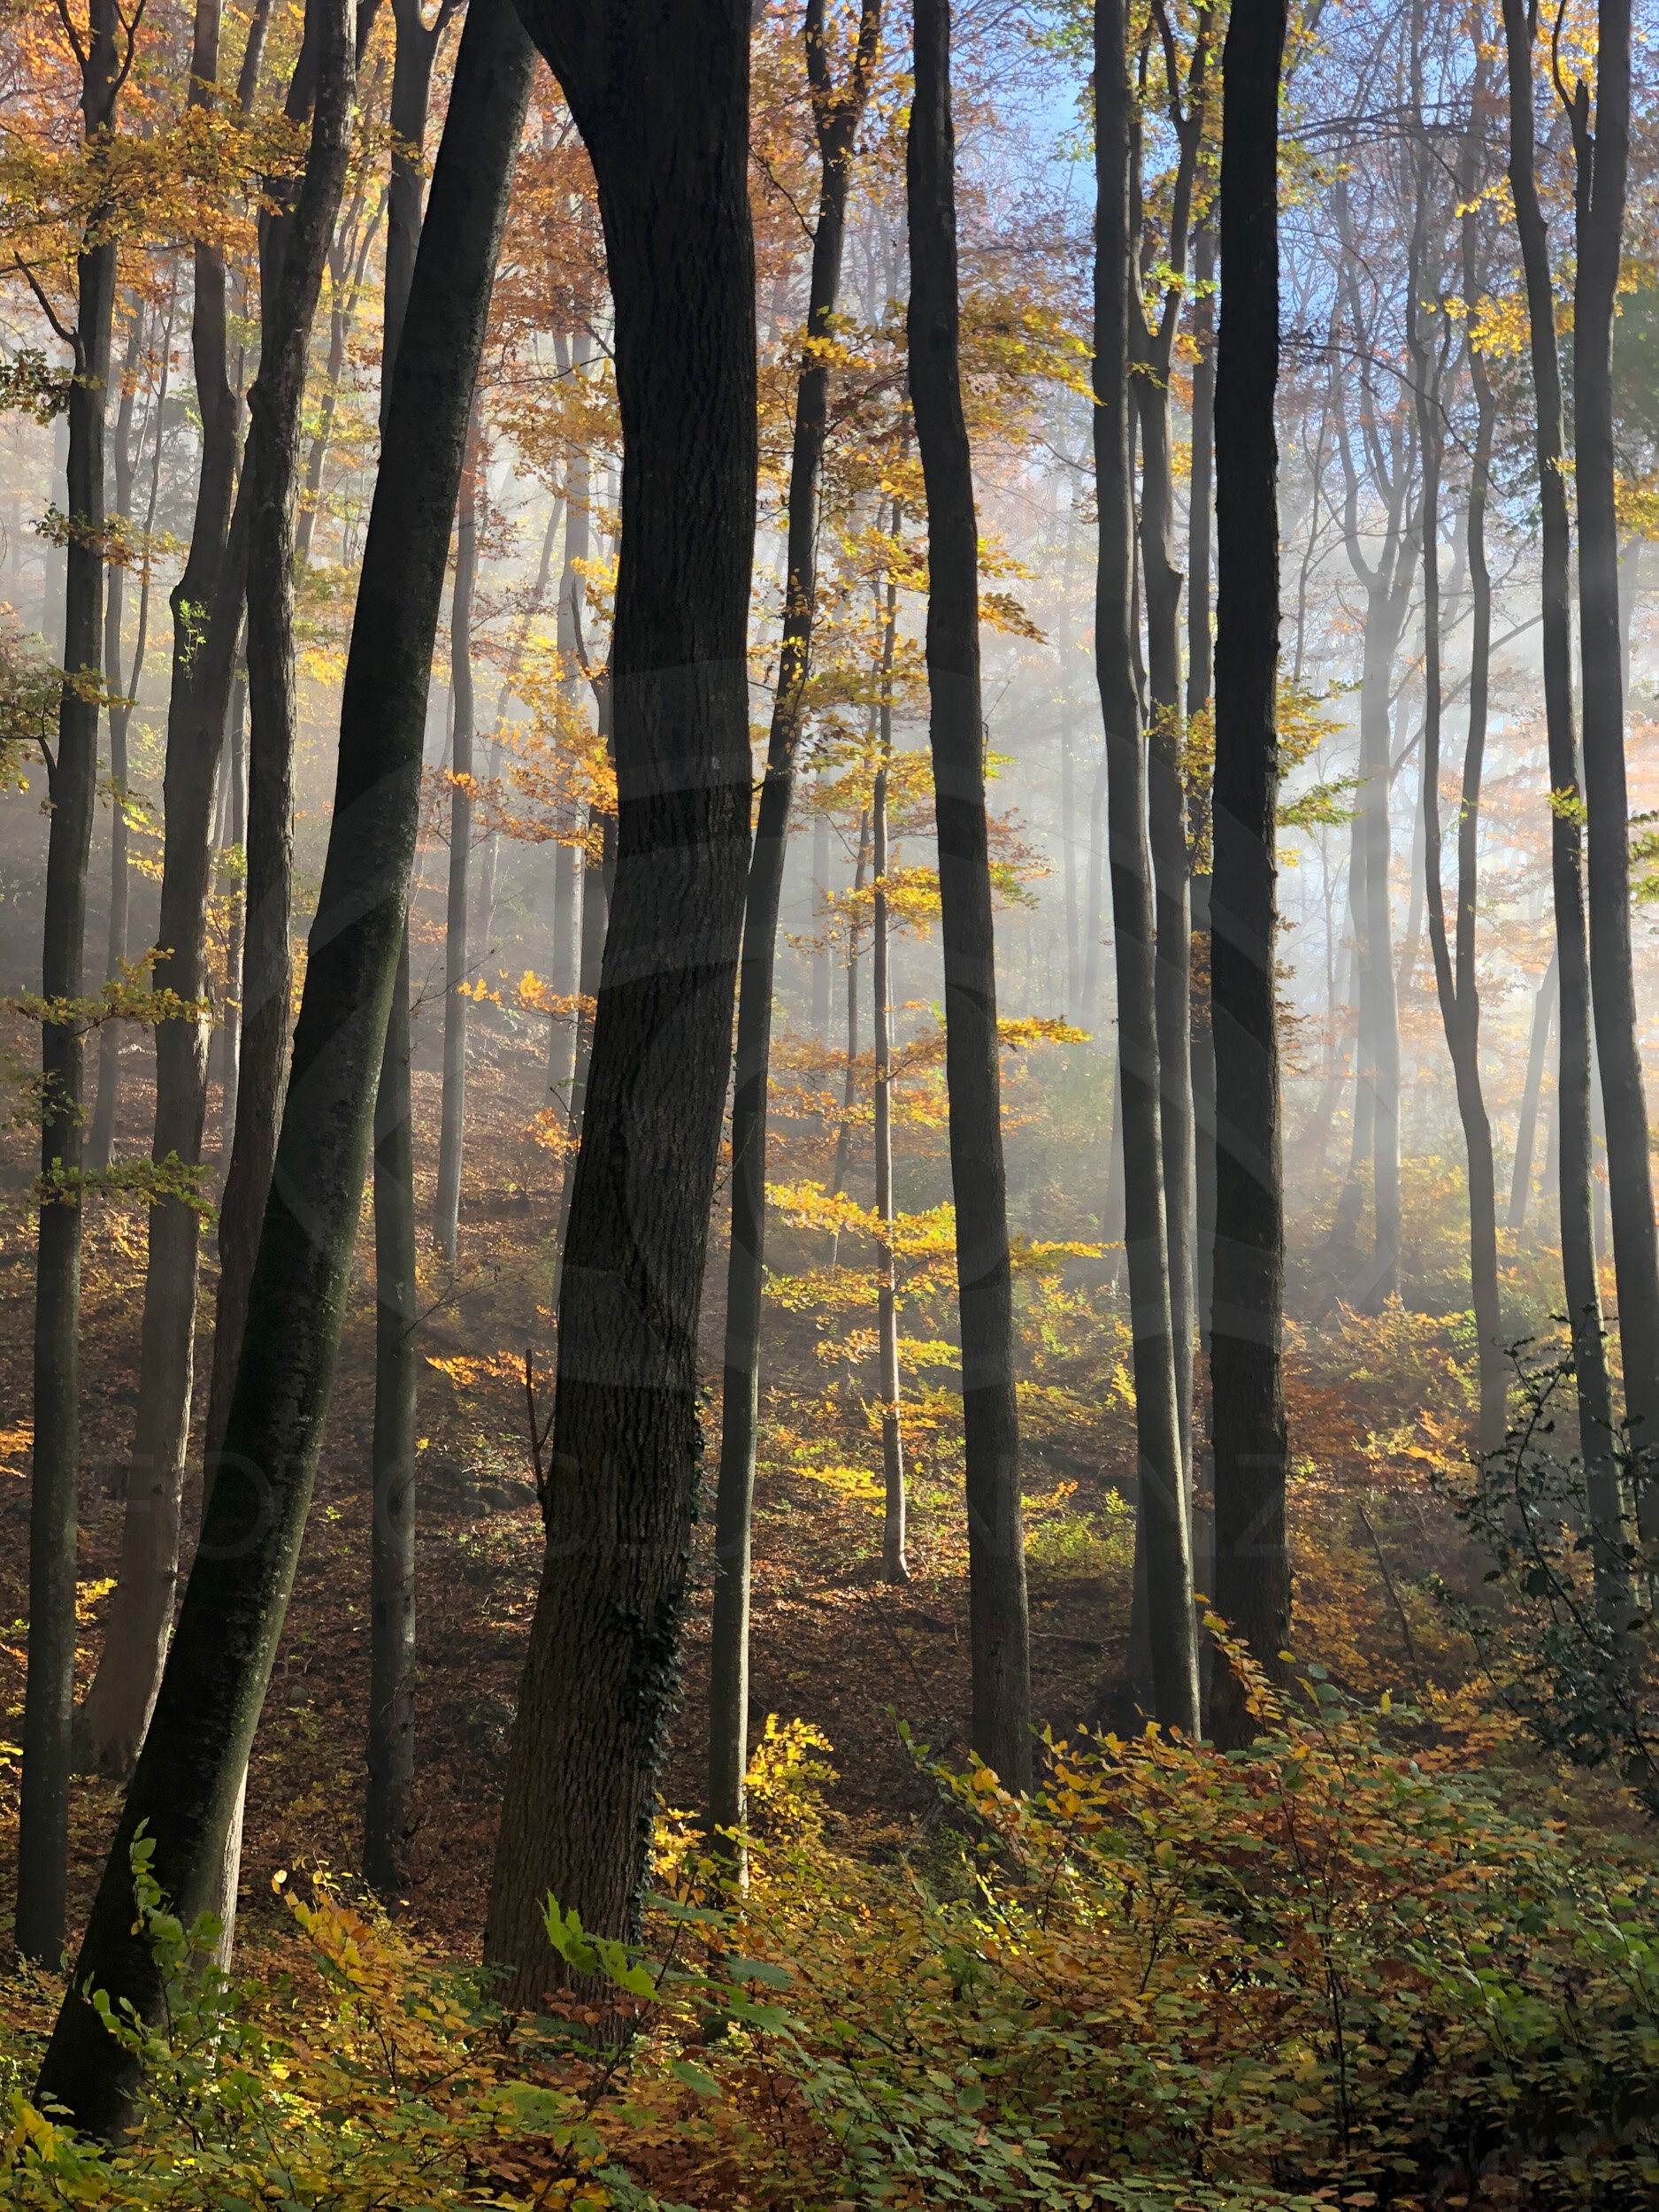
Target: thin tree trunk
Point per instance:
(1094, 922)
(190, 1773)
(662, 103)
(1526, 1131)
(230, 1058)
(1252, 1565)
(894, 1565)
(1164, 1534)
(849, 1079)
(1602, 163)
(837, 113)
(71, 786)
(1572, 1125)
(821, 964)
(111, 1723)
(121, 459)
(446, 1228)
(999, 1620)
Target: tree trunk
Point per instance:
(71, 786)
(1604, 162)
(894, 1565)
(293, 273)
(1252, 1565)
(230, 1056)
(1526, 1131)
(189, 1772)
(998, 1616)
(662, 103)
(121, 717)
(821, 966)
(837, 114)
(111, 1723)
(1573, 1082)
(1164, 1534)
(452, 1133)
(1458, 989)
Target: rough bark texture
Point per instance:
(661, 102)
(206, 615)
(998, 1617)
(71, 785)
(189, 1772)
(1573, 1139)
(1164, 1537)
(1252, 1566)
(1603, 162)
(837, 111)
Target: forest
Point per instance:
(829, 961)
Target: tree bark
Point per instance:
(1602, 151)
(206, 611)
(1252, 1563)
(837, 112)
(72, 787)
(452, 1132)
(190, 1771)
(1573, 1137)
(230, 1056)
(1164, 1534)
(662, 103)
(998, 1615)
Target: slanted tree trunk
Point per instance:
(1163, 1534)
(999, 1621)
(837, 111)
(345, 285)
(1572, 1127)
(1602, 152)
(190, 1773)
(1252, 1565)
(453, 1129)
(662, 104)
(121, 459)
(111, 1723)
(72, 787)
(1526, 1130)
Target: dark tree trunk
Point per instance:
(1252, 1565)
(452, 1132)
(111, 1723)
(1164, 1534)
(837, 111)
(190, 1771)
(661, 101)
(999, 1620)
(1604, 164)
(1573, 1137)
(71, 785)
(1526, 1130)
(230, 1056)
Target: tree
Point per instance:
(836, 114)
(184, 1791)
(1572, 947)
(71, 784)
(452, 1136)
(1601, 154)
(1246, 1360)
(999, 1621)
(1164, 1534)
(661, 102)
(207, 613)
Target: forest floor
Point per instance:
(832, 1644)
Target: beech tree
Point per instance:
(1246, 1346)
(186, 1787)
